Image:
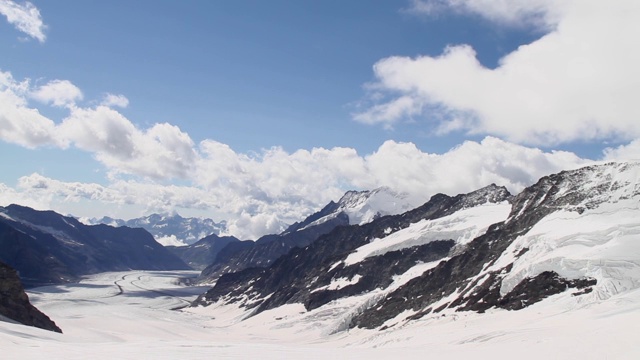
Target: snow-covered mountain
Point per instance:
(361, 207)
(570, 236)
(355, 207)
(168, 229)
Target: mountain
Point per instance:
(204, 252)
(169, 229)
(47, 248)
(306, 274)
(355, 207)
(571, 235)
(15, 305)
(360, 207)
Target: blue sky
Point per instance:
(259, 112)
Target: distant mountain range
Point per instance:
(171, 230)
(574, 232)
(48, 248)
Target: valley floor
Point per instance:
(141, 315)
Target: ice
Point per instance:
(601, 243)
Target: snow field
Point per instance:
(139, 324)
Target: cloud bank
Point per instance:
(577, 82)
(258, 193)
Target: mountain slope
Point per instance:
(46, 247)
(353, 208)
(571, 234)
(311, 275)
(566, 231)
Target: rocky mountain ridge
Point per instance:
(572, 232)
(304, 274)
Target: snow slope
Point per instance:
(462, 226)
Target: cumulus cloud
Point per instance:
(630, 151)
(162, 151)
(577, 82)
(112, 100)
(19, 123)
(60, 93)
(25, 17)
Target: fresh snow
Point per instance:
(462, 227)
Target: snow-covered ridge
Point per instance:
(582, 189)
(364, 206)
(461, 226)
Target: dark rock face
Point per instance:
(303, 275)
(15, 305)
(48, 248)
(204, 252)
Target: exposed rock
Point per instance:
(15, 305)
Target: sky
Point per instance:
(261, 112)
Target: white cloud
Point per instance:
(160, 152)
(262, 193)
(60, 93)
(25, 18)
(512, 12)
(630, 151)
(111, 100)
(257, 193)
(20, 124)
(579, 81)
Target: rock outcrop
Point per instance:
(15, 305)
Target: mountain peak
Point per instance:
(364, 206)
(581, 189)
